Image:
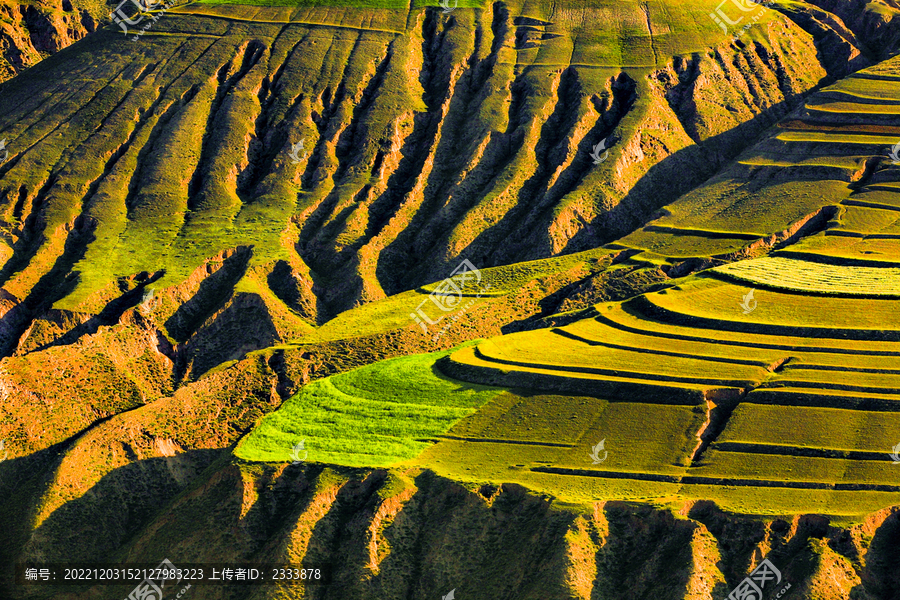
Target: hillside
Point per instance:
(33, 30)
(215, 239)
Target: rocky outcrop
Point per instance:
(32, 31)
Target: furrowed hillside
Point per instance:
(179, 313)
(31, 31)
(160, 253)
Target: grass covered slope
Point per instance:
(370, 417)
(595, 33)
(423, 134)
(825, 170)
(805, 276)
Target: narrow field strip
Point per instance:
(657, 352)
(838, 368)
(779, 272)
(720, 481)
(831, 259)
(829, 126)
(710, 303)
(825, 398)
(465, 365)
(502, 441)
(877, 383)
(875, 205)
(790, 469)
(705, 233)
(858, 108)
(839, 430)
(584, 370)
(863, 235)
(747, 448)
(631, 322)
(824, 137)
(609, 474)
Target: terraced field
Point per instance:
(703, 321)
(775, 380)
(827, 170)
(805, 276)
(797, 402)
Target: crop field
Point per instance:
(814, 431)
(710, 301)
(804, 276)
(604, 33)
(816, 159)
(637, 317)
(783, 469)
(598, 294)
(853, 249)
(825, 429)
(372, 416)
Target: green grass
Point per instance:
(804, 276)
(858, 108)
(372, 416)
(777, 467)
(808, 427)
(720, 302)
(546, 350)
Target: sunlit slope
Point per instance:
(691, 397)
(691, 388)
(610, 33)
(832, 159)
(373, 416)
(426, 137)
